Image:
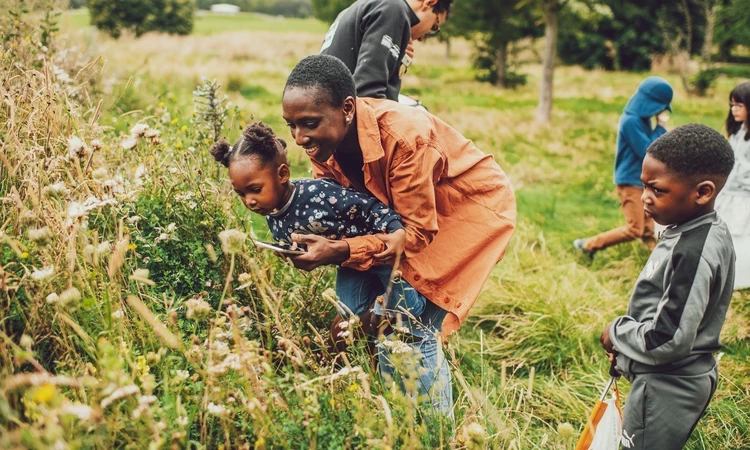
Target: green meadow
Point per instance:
(216, 346)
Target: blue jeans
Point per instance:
(431, 375)
(357, 291)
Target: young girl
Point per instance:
(260, 175)
(733, 204)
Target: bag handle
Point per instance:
(614, 375)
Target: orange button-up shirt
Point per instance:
(456, 203)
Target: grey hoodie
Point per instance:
(680, 300)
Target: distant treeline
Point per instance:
(288, 8)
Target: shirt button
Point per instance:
(447, 300)
(417, 277)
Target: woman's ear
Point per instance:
(706, 191)
(284, 173)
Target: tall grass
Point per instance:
(131, 318)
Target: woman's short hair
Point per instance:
(328, 74)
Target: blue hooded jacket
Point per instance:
(635, 134)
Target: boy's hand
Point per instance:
(606, 342)
(394, 247)
(662, 119)
(320, 251)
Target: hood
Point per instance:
(653, 96)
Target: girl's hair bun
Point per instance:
(221, 151)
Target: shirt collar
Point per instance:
(413, 18)
(285, 208)
(676, 230)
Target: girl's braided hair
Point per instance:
(259, 140)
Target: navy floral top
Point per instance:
(324, 207)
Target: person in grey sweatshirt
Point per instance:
(664, 345)
(372, 38)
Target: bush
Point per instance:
(169, 16)
(703, 81)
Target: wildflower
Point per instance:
(182, 421)
(565, 430)
(26, 341)
(141, 276)
(211, 252)
(43, 274)
(140, 174)
(129, 143)
(118, 314)
(39, 235)
(146, 399)
(96, 144)
(218, 410)
(99, 174)
(395, 346)
(133, 219)
(76, 147)
(55, 190)
(184, 128)
(89, 251)
(105, 248)
(232, 241)
(197, 307)
(181, 375)
(53, 298)
(178, 145)
(81, 411)
(70, 297)
(45, 393)
(174, 121)
(475, 434)
(75, 210)
(139, 130)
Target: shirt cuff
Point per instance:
(361, 251)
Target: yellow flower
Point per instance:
(184, 128)
(353, 387)
(332, 402)
(178, 145)
(45, 393)
(132, 246)
(161, 104)
(242, 123)
(24, 255)
(242, 113)
(175, 121)
(207, 141)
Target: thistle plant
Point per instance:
(211, 111)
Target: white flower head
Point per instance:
(76, 147)
(79, 410)
(39, 235)
(139, 130)
(55, 190)
(232, 240)
(99, 174)
(69, 297)
(215, 409)
(53, 298)
(43, 274)
(118, 314)
(129, 143)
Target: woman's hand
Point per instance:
(320, 251)
(394, 247)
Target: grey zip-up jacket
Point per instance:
(371, 37)
(680, 299)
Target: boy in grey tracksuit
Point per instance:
(664, 345)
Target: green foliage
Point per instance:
(630, 36)
(211, 111)
(703, 81)
(328, 10)
(168, 16)
(732, 27)
(286, 8)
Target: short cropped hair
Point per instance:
(328, 74)
(693, 151)
(442, 6)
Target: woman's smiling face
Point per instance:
(316, 125)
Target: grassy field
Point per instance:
(213, 348)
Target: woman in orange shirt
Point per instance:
(456, 203)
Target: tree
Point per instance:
(141, 16)
(328, 10)
(551, 10)
(732, 27)
(492, 27)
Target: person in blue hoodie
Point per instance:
(634, 135)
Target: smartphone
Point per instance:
(283, 248)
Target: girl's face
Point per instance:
(262, 189)
(739, 111)
(316, 126)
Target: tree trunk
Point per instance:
(549, 54)
(501, 64)
(708, 40)
(448, 49)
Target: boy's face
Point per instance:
(316, 125)
(261, 189)
(666, 197)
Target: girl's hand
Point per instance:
(394, 247)
(320, 251)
